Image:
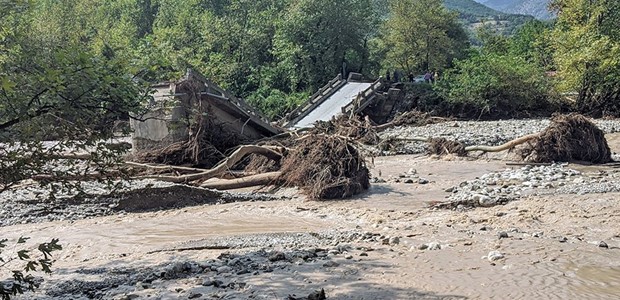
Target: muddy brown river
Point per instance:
(550, 251)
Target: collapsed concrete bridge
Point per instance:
(175, 104)
(338, 96)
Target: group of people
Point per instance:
(429, 77)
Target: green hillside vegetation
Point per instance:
(274, 53)
(475, 15)
(536, 8)
(471, 9)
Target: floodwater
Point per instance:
(533, 267)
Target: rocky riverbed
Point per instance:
(428, 228)
(470, 133)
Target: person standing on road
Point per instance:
(428, 77)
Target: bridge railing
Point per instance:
(363, 99)
(315, 100)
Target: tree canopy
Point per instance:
(422, 35)
(587, 43)
(51, 79)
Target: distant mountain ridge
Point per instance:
(535, 8)
(471, 8)
(474, 15)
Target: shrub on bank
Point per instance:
(495, 85)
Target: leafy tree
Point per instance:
(54, 84)
(422, 35)
(21, 280)
(49, 80)
(492, 41)
(498, 85)
(587, 42)
(317, 37)
(532, 41)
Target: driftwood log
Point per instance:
(270, 152)
(243, 182)
(506, 146)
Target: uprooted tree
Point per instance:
(568, 138)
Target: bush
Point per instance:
(274, 104)
(495, 85)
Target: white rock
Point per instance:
(483, 200)
(495, 255)
(433, 246)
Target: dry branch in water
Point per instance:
(243, 182)
(223, 166)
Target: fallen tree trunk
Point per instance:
(76, 156)
(243, 182)
(164, 167)
(223, 166)
(76, 177)
(508, 145)
(505, 146)
(568, 138)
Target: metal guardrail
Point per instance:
(315, 100)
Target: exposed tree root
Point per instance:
(569, 138)
(442, 146)
(326, 167)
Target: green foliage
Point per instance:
(494, 84)
(533, 42)
(472, 10)
(276, 103)
(422, 35)
(317, 37)
(20, 263)
(53, 79)
(587, 42)
(474, 15)
(536, 8)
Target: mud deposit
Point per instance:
(553, 232)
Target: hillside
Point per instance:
(536, 8)
(474, 15)
(470, 8)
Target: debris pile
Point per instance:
(326, 167)
(570, 137)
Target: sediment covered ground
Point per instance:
(428, 228)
